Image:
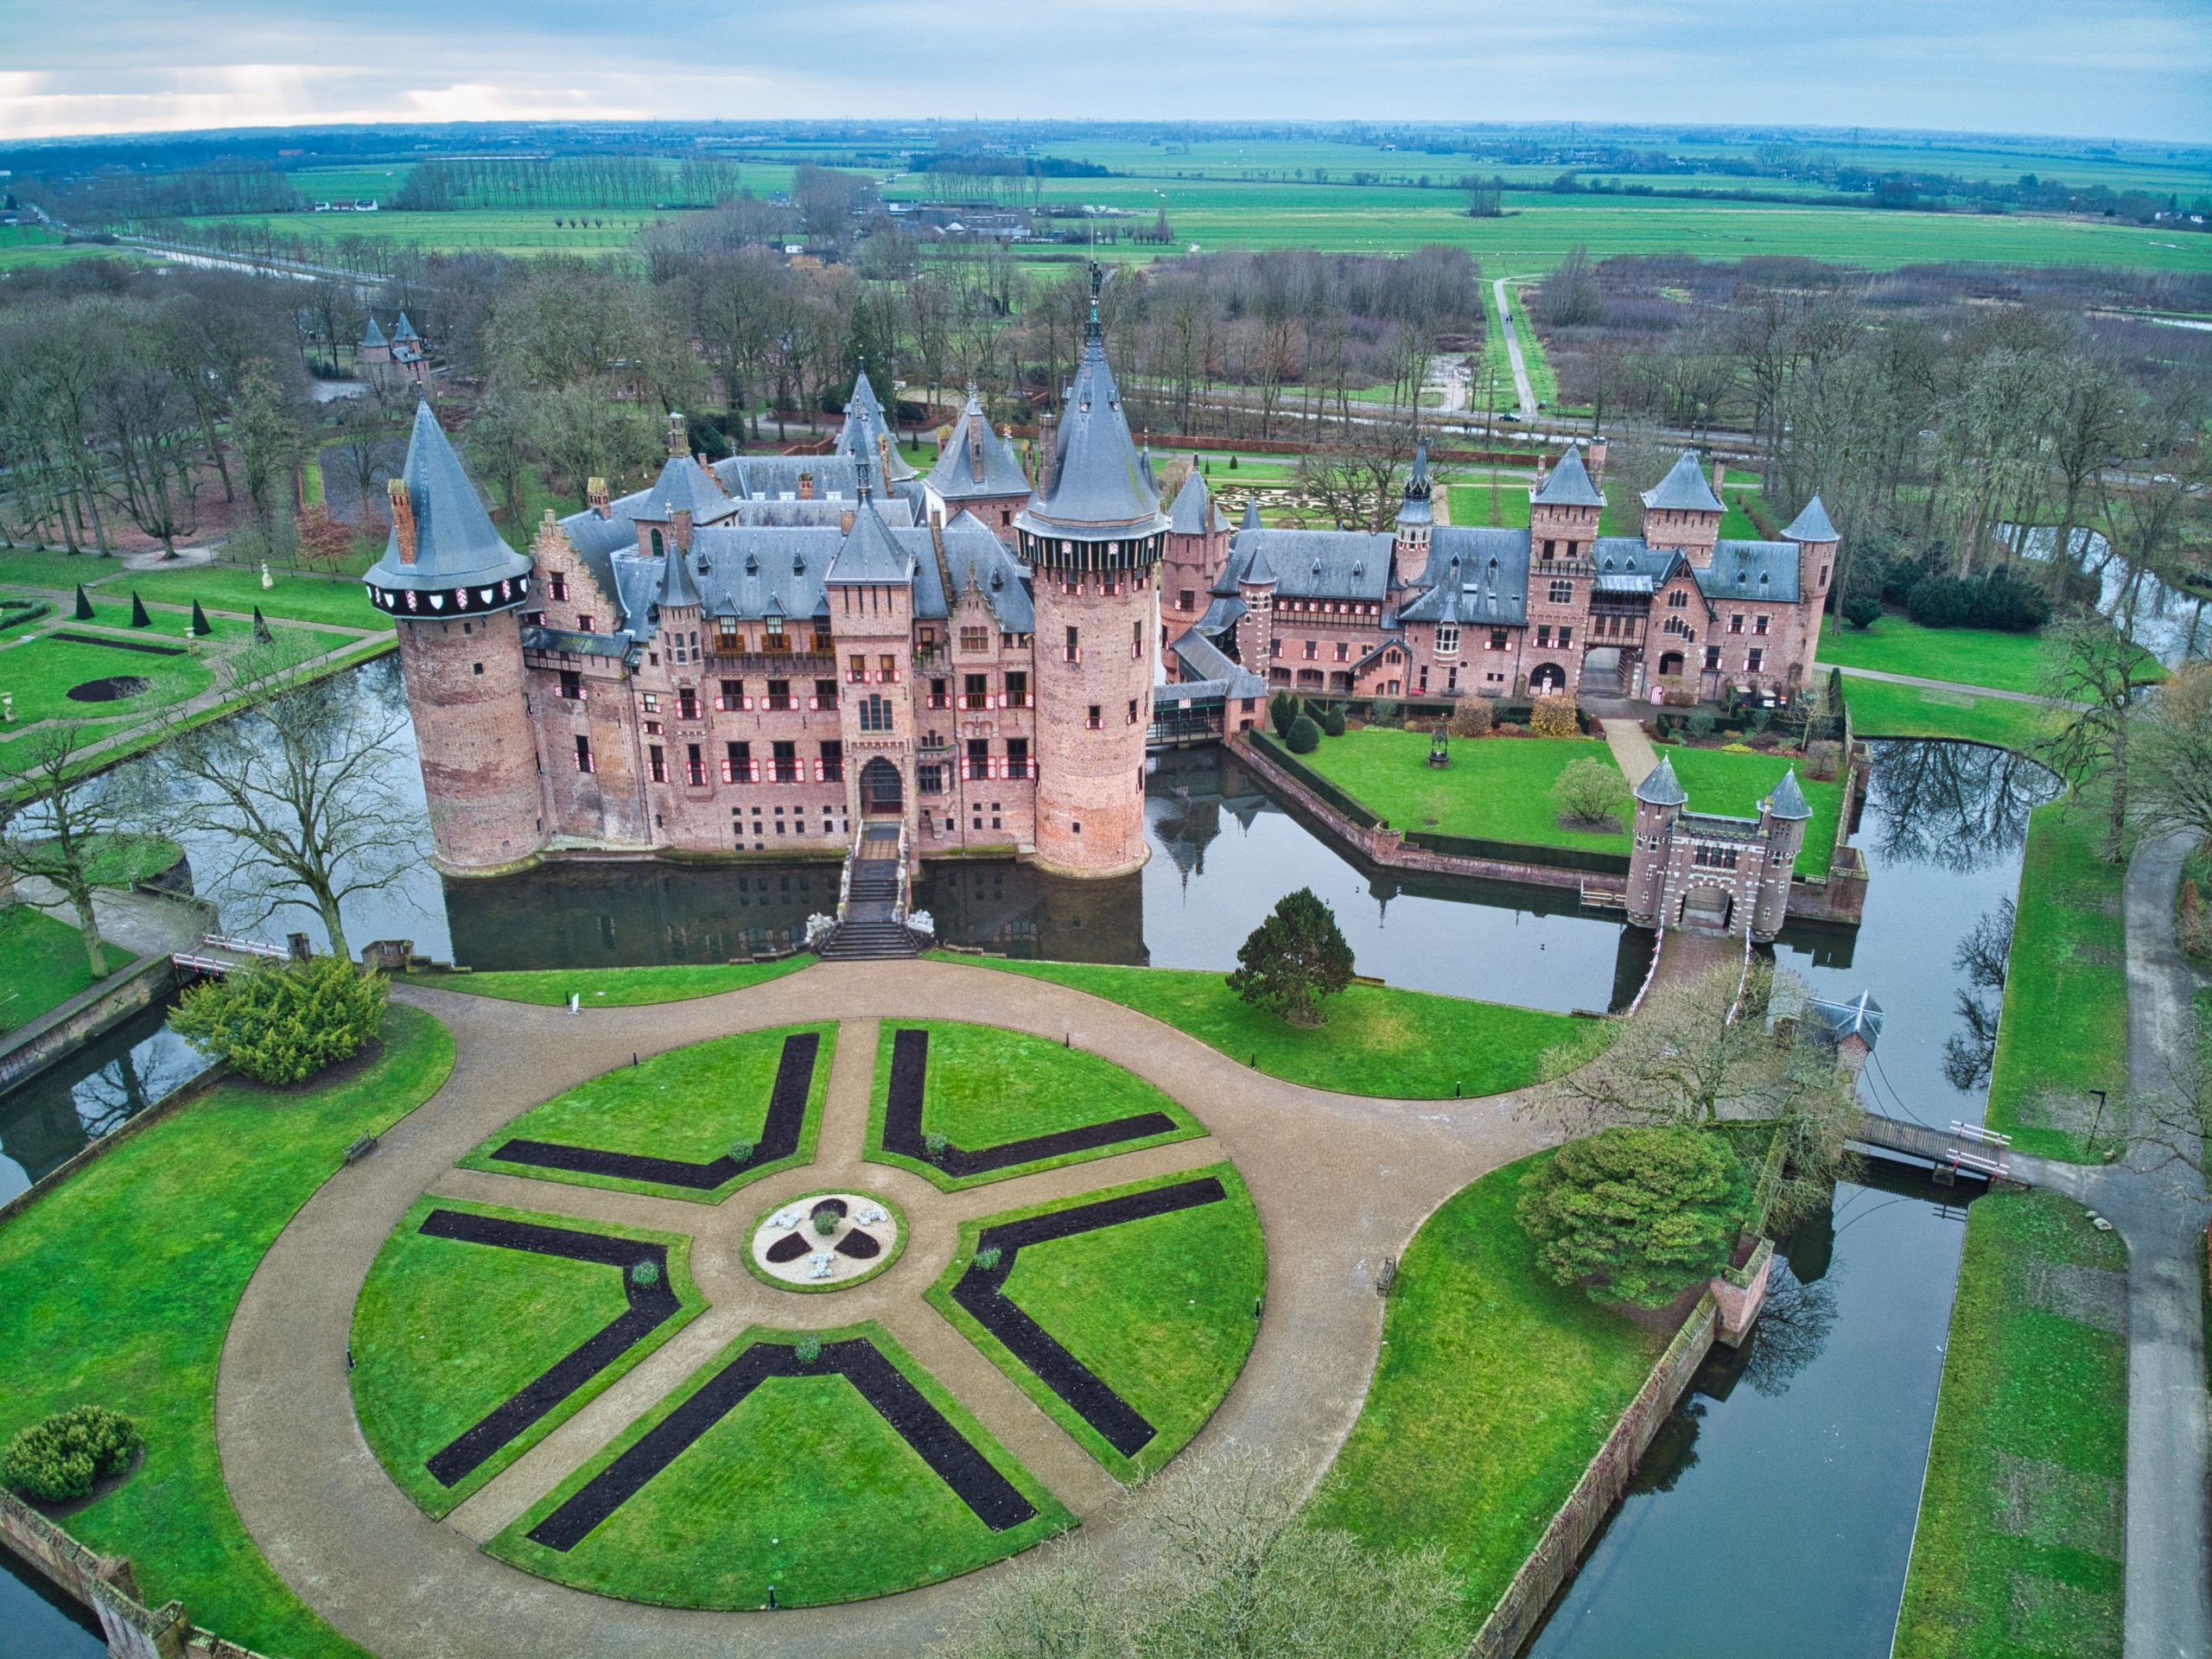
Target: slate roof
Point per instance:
(1788, 800)
(577, 645)
(1569, 484)
(456, 545)
(976, 461)
(1216, 673)
(1223, 614)
(835, 477)
(1096, 480)
(1251, 520)
(975, 558)
(1417, 508)
(864, 422)
(1660, 787)
(1860, 1017)
(1193, 512)
(1812, 525)
(677, 586)
(1752, 571)
(684, 486)
(405, 329)
(869, 552)
(1352, 564)
(373, 335)
(1477, 575)
(1685, 489)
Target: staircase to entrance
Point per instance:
(872, 923)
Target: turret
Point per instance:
(1817, 542)
(977, 472)
(1093, 536)
(1198, 551)
(1416, 515)
(1255, 629)
(454, 588)
(1659, 802)
(870, 588)
(1782, 817)
(1564, 510)
(1682, 512)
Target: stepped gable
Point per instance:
(455, 542)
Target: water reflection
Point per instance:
(625, 915)
(1955, 806)
(50, 1119)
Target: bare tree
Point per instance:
(1358, 480)
(2173, 756)
(2089, 677)
(301, 789)
(57, 827)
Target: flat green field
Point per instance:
(691, 1104)
(801, 1490)
(1495, 788)
(1734, 785)
(1881, 709)
(42, 963)
(446, 1330)
(985, 1086)
(2018, 1548)
(614, 988)
(2063, 1030)
(117, 1286)
(1162, 1310)
(31, 567)
(1494, 1388)
(299, 598)
(1373, 1039)
(1898, 645)
(40, 675)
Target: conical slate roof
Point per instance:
(1193, 513)
(1095, 483)
(865, 422)
(686, 486)
(456, 545)
(1258, 573)
(1788, 800)
(869, 553)
(976, 461)
(1660, 787)
(1417, 508)
(405, 329)
(1251, 513)
(1684, 489)
(1812, 525)
(676, 586)
(373, 335)
(1569, 484)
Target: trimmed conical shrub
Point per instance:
(83, 604)
(202, 628)
(138, 617)
(261, 634)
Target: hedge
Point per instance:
(1521, 852)
(1349, 805)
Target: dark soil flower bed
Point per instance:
(145, 645)
(902, 1122)
(114, 688)
(971, 1476)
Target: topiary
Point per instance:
(740, 1150)
(1332, 721)
(646, 1273)
(1282, 710)
(934, 1143)
(1305, 736)
(988, 1258)
(807, 1349)
(60, 1456)
(282, 1022)
(1862, 610)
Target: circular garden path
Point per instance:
(1340, 1182)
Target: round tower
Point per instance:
(455, 588)
(1093, 536)
(1659, 801)
(1783, 816)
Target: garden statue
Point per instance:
(267, 580)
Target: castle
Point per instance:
(400, 358)
(762, 654)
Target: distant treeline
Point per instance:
(975, 164)
(234, 185)
(610, 181)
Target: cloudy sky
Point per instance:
(2125, 68)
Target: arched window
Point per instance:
(658, 546)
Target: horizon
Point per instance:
(1970, 68)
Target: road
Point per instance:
(1521, 386)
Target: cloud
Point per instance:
(2139, 68)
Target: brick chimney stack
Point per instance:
(806, 486)
(595, 495)
(1719, 478)
(845, 522)
(1597, 453)
(403, 517)
(679, 439)
(680, 531)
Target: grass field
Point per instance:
(1898, 645)
(1162, 1310)
(1495, 788)
(42, 963)
(445, 1330)
(298, 597)
(1373, 1039)
(117, 1286)
(2019, 1546)
(1881, 709)
(1733, 785)
(801, 1488)
(614, 988)
(1494, 1388)
(985, 1086)
(38, 676)
(2063, 1030)
(690, 1103)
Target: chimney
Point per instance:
(595, 495)
(883, 454)
(845, 522)
(1719, 478)
(806, 486)
(1540, 470)
(679, 440)
(403, 517)
(1597, 459)
(681, 530)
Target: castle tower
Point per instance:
(1255, 629)
(1682, 512)
(1198, 548)
(870, 588)
(454, 587)
(1416, 517)
(1093, 536)
(1817, 542)
(1659, 801)
(1563, 512)
(1782, 817)
(374, 355)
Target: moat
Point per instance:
(1811, 1445)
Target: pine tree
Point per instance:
(1293, 959)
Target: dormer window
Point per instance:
(1447, 638)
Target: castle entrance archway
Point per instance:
(1707, 908)
(1670, 663)
(1548, 678)
(881, 793)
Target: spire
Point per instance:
(1788, 800)
(453, 543)
(1094, 483)
(1258, 573)
(1251, 513)
(1418, 484)
(1095, 330)
(403, 329)
(373, 335)
(677, 586)
(1569, 486)
(1812, 525)
(1660, 787)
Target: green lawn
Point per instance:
(2063, 1030)
(1897, 644)
(297, 597)
(1495, 788)
(116, 1289)
(445, 1331)
(42, 964)
(39, 674)
(1494, 1388)
(688, 1103)
(1162, 1310)
(615, 987)
(1719, 780)
(802, 1489)
(2019, 1546)
(31, 567)
(985, 1086)
(1881, 709)
(1375, 1039)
